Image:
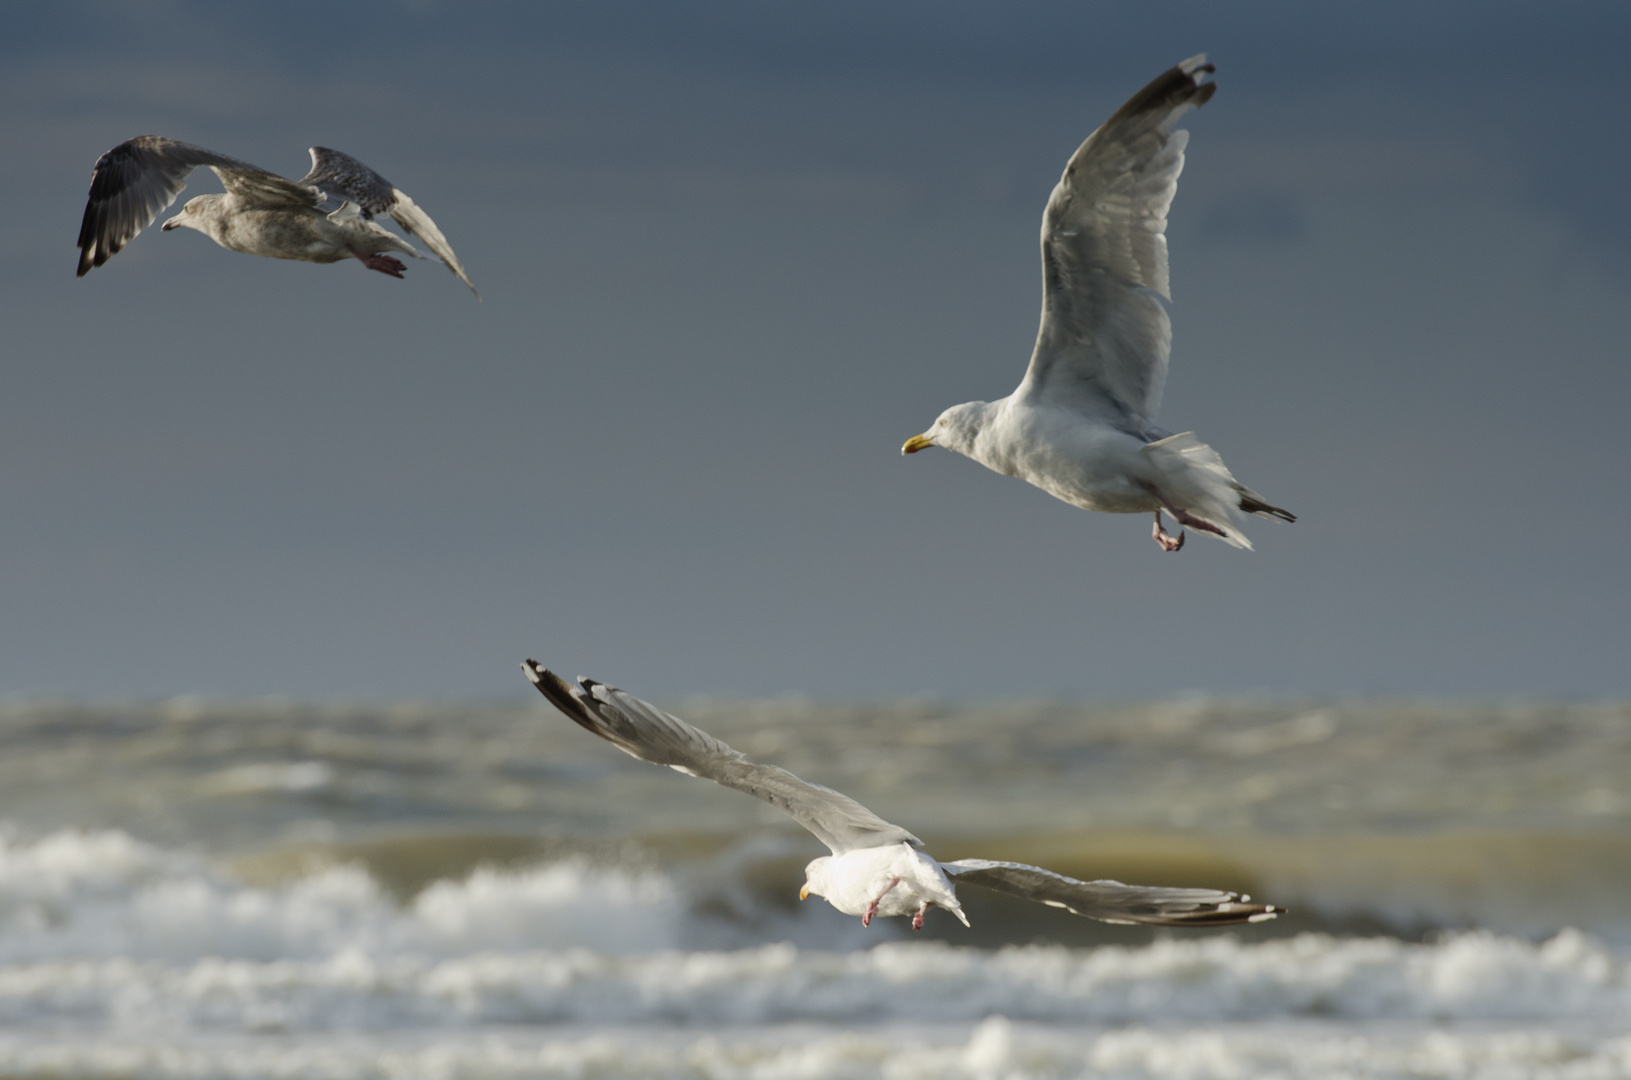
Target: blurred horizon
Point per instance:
(1401, 820)
(680, 704)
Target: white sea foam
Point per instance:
(98, 926)
(121, 958)
(994, 1049)
(87, 896)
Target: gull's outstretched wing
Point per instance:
(334, 172)
(642, 731)
(1111, 901)
(1105, 334)
(133, 183)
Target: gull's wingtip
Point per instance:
(1198, 71)
(1270, 911)
(582, 705)
(549, 684)
(556, 689)
(545, 679)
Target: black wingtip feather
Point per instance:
(559, 693)
(1172, 87)
(1232, 913)
(1238, 909)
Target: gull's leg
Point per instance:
(917, 916)
(383, 263)
(1167, 543)
(872, 908)
(1183, 517)
(1186, 518)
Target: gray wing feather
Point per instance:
(334, 172)
(645, 732)
(1111, 901)
(1105, 334)
(265, 190)
(135, 181)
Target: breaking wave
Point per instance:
(99, 925)
(93, 896)
(122, 958)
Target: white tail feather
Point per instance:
(1195, 479)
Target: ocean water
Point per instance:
(207, 889)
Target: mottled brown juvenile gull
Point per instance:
(1080, 424)
(875, 868)
(325, 216)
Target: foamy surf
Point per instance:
(995, 1049)
(1468, 978)
(273, 890)
(104, 895)
(101, 928)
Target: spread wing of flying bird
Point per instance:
(138, 180)
(1111, 901)
(645, 732)
(333, 171)
(876, 868)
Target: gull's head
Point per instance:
(815, 878)
(955, 430)
(188, 218)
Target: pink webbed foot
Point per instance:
(1168, 543)
(872, 908)
(384, 264)
(917, 917)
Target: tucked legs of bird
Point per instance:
(917, 916)
(384, 264)
(1182, 517)
(1168, 543)
(1186, 518)
(872, 908)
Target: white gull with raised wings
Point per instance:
(1081, 424)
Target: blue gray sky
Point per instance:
(733, 254)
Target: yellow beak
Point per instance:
(916, 443)
(804, 893)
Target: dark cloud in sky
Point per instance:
(732, 255)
